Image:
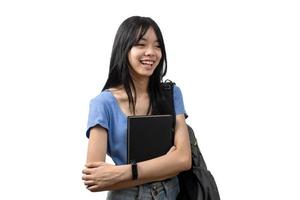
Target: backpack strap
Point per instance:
(197, 182)
(168, 88)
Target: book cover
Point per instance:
(148, 136)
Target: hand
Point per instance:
(99, 175)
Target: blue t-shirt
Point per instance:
(106, 112)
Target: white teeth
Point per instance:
(147, 62)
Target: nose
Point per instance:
(149, 51)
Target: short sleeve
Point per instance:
(98, 115)
(178, 101)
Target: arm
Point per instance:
(96, 154)
(97, 145)
(101, 176)
(106, 174)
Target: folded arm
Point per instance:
(99, 176)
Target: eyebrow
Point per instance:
(144, 39)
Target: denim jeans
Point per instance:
(167, 189)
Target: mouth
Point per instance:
(147, 63)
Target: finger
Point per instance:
(87, 177)
(89, 183)
(86, 171)
(93, 188)
(94, 164)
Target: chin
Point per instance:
(147, 73)
(141, 71)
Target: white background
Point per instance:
(236, 62)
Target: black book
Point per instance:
(148, 136)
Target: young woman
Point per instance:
(137, 66)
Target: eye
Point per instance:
(157, 45)
(140, 44)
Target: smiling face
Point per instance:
(145, 55)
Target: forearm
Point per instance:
(133, 183)
(157, 169)
(163, 166)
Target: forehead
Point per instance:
(150, 35)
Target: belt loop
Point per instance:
(140, 192)
(165, 188)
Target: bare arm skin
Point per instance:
(99, 176)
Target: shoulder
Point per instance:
(118, 93)
(178, 101)
(168, 84)
(104, 98)
(177, 90)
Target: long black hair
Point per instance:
(128, 34)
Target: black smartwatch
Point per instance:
(134, 170)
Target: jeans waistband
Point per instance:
(167, 189)
(154, 188)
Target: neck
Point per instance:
(141, 86)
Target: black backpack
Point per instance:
(196, 183)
